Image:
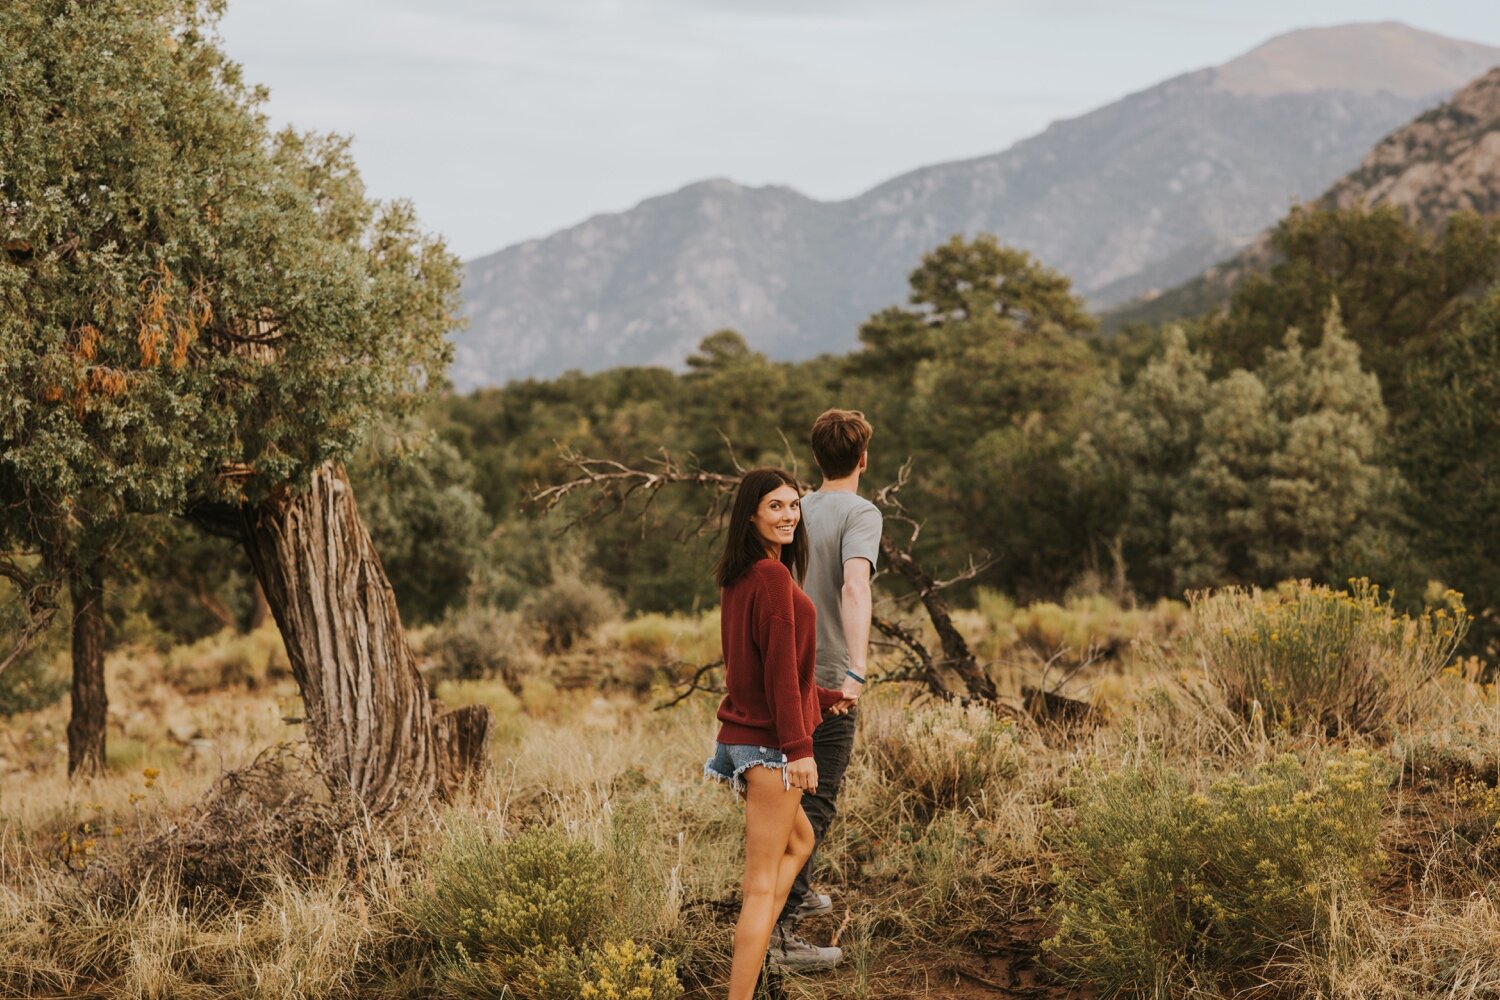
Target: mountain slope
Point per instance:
(1142, 193)
(1444, 162)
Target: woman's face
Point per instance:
(776, 518)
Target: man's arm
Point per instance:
(855, 605)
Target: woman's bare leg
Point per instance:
(798, 849)
(771, 815)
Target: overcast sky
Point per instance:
(508, 119)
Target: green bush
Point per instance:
(1304, 653)
(229, 659)
(944, 754)
(569, 608)
(32, 682)
(690, 638)
(480, 643)
(1096, 623)
(1158, 885)
(503, 704)
(498, 900)
(520, 918)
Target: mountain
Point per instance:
(1444, 162)
(1141, 194)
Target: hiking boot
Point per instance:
(791, 952)
(814, 904)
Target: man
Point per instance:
(843, 534)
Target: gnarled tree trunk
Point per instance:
(369, 719)
(90, 708)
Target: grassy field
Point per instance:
(1288, 794)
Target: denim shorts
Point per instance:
(731, 760)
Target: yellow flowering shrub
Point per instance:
(620, 970)
(945, 754)
(1476, 813)
(498, 903)
(1312, 654)
(1158, 884)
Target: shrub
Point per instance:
(229, 659)
(568, 609)
(496, 906)
(945, 754)
(651, 635)
(504, 706)
(1157, 885)
(1305, 653)
(29, 684)
(620, 970)
(255, 827)
(479, 643)
(1088, 623)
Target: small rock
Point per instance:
(198, 749)
(182, 731)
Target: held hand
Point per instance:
(851, 689)
(803, 774)
(841, 707)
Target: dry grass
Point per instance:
(941, 864)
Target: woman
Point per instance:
(768, 627)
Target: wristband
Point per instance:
(850, 673)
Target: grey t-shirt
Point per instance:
(840, 526)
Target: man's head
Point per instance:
(839, 441)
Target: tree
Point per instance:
(966, 279)
(1250, 478)
(1400, 285)
(200, 317)
(1136, 444)
(978, 379)
(1450, 459)
(424, 518)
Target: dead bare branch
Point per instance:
(695, 684)
(973, 569)
(1047, 704)
(1087, 657)
(612, 484)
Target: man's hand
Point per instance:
(851, 689)
(803, 774)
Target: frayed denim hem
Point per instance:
(737, 780)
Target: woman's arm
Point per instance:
(776, 635)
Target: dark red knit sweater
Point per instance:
(769, 630)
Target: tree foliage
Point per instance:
(1249, 478)
(1449, 455)
(193, 311)
(1400, 285)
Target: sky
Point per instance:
(504, 120)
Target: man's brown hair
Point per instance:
(839, 438)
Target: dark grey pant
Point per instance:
(833, 743)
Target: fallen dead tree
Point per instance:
(609, 487)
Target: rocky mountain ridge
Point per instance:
(1142, 193)
(1445, 161)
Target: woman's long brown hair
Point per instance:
(743, 546)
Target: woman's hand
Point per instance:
(841, 707)
(803, 774)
